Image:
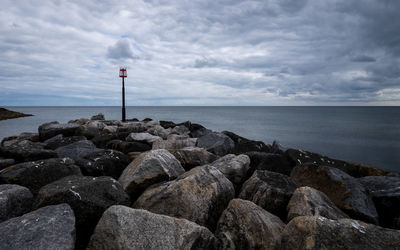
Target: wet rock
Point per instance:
(175, 143)
(122, 227)
(60, 141)
(49, 130)
(243, 145)
(385, 192)
(77, 149)
(191, 157)
(342, 189)
(216, 143)
(97, 117)
(126, 147)
(199, 195)
(36, 174)
(234, 167)
(306, 232)
(149, 168)
(307, 201)
(88, 196)
(6, 163)
(269, 190)
(26, 150)
(244, 225)
(104, 163)
(271, 162)
(15, 200)
(51, 227)
(143, 137)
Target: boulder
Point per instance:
(6, 163)
(122, 227)
(385, 192)
(345, 191)
(48, 130)
(199, 195)
(77, 149)
(244, 225)
(149, 168)
(234, 167)
(7, 141)
(91, 129)
(269, 190)
(243, 145)
(126, 147)
(180, 130)
(36, 174)
(132, 127)
(312, 232)
(307, 201)
(175, 143)
(167, 124)
(51, 227)
(200, 132)
(108, 162)
(277, 148)
(143, 137)
(191, 157)
(88, 196)
(15, 200)
(102, 139)
(271, 162)
(98, 117)
(216, 143)
(157, 130)
(26, 150)
(110, 129)
(60, 141)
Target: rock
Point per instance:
(175, 143)
(149, 168)
(26, 150)
(233, 167)
(306, 232)
(132, 127)
(102, 139)
(385, 192)
(60, 141)
(200, 132)
(7, 141)
(243, 145)
(81, 121)
(180, 130)
(51, 227)
(15, 200)
(307, 201)
(143, 137)
(108, 162)
(6, 163)
(342, 189)
(126, 147)
(191, 157)
(199, 195)
(77, 149)
(48, 130)
(88, 196)
(216, 143)
(271, 162)
(110, 129)
(122, 227)
(36, 174)
(191, 126)
(157, 130)
(277, 148)
(99, 116)
(244, 225)
(167, 124)
(269, 190)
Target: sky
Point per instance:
(208, 52)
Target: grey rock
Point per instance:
(277, 148)
(36, 174)
(243, 145)
(216, 143)
(132, 127)
(345, 191)
(269, 190)
(143, 137)
(197, 133)
(180, 130)
(307, 201)
(48, 130)
(149, 168)
(60, 141)
(6, 163)
(26, 150)
(158, 130)
(127, 147)
(199, 195)
(244, 225)
(110, 129)
(51, 227)
(234, 167)
(191, 157)
(122, 227)
(175, 143)
(7, 141)
(77, 149)
(98, 117)
(15, 200)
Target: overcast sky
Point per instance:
(208, 52)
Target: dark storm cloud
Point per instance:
(363, 58)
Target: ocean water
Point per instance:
(369, 135)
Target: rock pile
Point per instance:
(104, 184)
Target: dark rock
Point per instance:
(26, 150)
(216, 143)
(167, 124)
(90, 130)
(88, 196)
(149, 168)
(180, 130)
(126, 147)
(6, 163)
(132, 127)
(171, 144)
(200, 132)
(7, 141)
(271, 162)
(104, 163)
(199, 195)
(48, 130)
(277, 148)
(191, 126)
(306, 232)
(122, 227)
(271, 191)
(77, 149)
(345, 191)
(243, 145)
(36, 174)
(51, 227)
(15, 200)
(244, 225)
(60, 141)
(307, 201)
(385, 192)
(147, 120)
(234, 167)
(98, 117)
(191, 157)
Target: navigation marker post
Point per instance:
(123, 74)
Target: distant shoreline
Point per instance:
(6, 114)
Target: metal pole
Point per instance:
(123, 99)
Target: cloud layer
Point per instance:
(269, 52)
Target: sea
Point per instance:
(368, 135)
